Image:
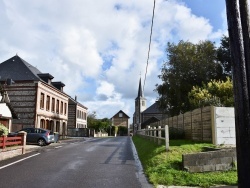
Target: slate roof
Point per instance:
(73, 101)
(153, 109)
(17, 69)
(149, 121)
(121, 112)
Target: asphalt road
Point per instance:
(95, 163)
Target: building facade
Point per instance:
(77, 114)
(120, 119)
(37, 100)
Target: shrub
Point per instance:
(3, 130)
(175, 133)
(123, 131)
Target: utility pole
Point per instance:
(238, 28)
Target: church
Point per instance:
(143, 116)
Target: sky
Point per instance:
(99, 49)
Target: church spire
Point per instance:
(140, 90)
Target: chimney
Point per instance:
(10, 81)
(75, 98)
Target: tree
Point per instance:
(98, 124)
(224, 56)
(188, 65)
(92, 120)
(216, 93)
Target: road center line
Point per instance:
(19, 161)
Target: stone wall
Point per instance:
(220, 160)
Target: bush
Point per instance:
(176, 133)
(123, 131)
(3, 130)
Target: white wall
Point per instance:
(4, 110)
(223, 127)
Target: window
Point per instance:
(120, 114)
(143, 103)
(65, 108)
(48, 102)
(42, 101)
(53, 105)
(57, 106)
(61, 108)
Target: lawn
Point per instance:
(165, 168)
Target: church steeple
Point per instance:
(140, 106)
(139, 90)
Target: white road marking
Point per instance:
(18, 161)
(58, 147)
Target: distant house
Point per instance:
(37, 100)
(120, 119)
(77, 114)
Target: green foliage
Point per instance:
(3, 130)
(122, 131)
(98, 124)
(176, 133)
(216, 93)
(165, 168)
(224, 56)
(116, 129)
(188, 64)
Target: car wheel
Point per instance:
(41, 142)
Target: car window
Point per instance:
(28, 130)
(40, 131)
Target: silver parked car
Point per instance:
(37, 135)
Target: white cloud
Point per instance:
(98, 48)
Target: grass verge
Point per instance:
(165, 168)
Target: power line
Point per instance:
(152, 23)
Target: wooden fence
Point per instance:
(156, 134)
(196, 124)
(19, 140)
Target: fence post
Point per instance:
(151, 133)
(159, 135)
(155, 136)
(148, 133)
(4, 141)
(167, 137)
(23, 134)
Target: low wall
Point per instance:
(78, 132)
(219, 160)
